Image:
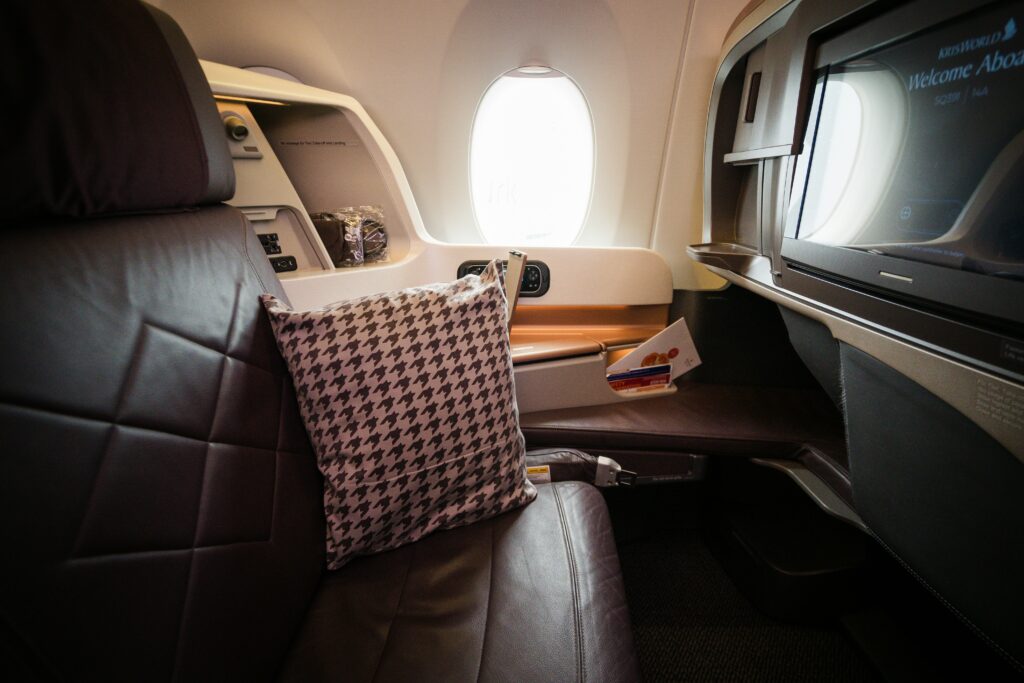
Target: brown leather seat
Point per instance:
(531, 595)
(160, 507)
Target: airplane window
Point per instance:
(532, 159)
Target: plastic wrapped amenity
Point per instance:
(353, 235)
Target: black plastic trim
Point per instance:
(1000, 351)
(526, 290)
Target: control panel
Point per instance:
(237, 130)
(271, 243)
(272, 246)
(536, 276)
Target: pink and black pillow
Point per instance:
(409, 401)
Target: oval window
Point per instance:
(531, 164)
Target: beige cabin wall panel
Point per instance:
(639, 277)
(420, 69)
(284, 35)
(679, 213)
(432, 62)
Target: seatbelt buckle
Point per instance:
(610, 473)
(626, 478)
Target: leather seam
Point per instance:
(888, 549)
(487, 607)
(108, 440)
(103, 557)
(281, 412)
(974, 627)
(277, 457)
(574, 579)
(129, 375)
(234, 315)
(112, 423)
(274, 499)
(201, 503)
(398, 611)
(576, 456)
(235, 308)
(183, 615)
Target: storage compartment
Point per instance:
(793, 561)
(330, 165)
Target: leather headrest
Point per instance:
(108, 112)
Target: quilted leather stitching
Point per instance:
(89, 418)
(280, 446)
(76, 555)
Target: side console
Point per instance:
(864, 164)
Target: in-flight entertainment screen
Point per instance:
(917, 151)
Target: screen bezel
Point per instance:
(958, 293)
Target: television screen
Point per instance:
(917, 149)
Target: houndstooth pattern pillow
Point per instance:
(409, 401)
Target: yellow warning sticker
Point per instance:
(539, 474)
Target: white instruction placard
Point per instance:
(672, 345)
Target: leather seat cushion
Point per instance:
(533, 594)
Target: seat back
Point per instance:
(160, 507)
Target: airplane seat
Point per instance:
(160, 499)
(161, 507)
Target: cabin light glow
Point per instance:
(250, 100)
(863, 122)
(843, 111)
(532, 159)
